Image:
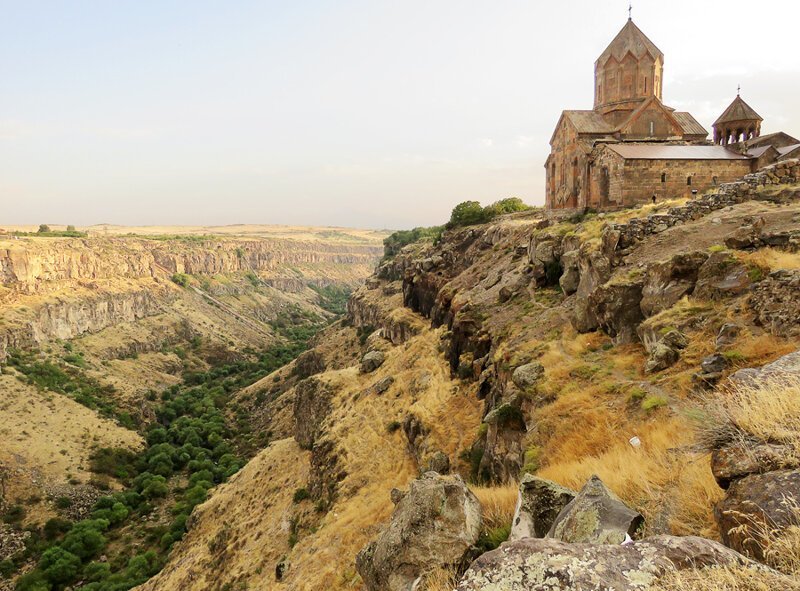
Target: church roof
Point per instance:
(589, 122)
(674, 152)
(630, 39)
(738, 110)
(689, 124)
(785, 150)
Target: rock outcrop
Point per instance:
(776, 304)
(534, 564)
(434, 525)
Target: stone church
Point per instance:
(631, 146)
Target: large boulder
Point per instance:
(434, 525)
(668, 282)
(571, 273)
(503, 450)
(661, 357)
(595, 516)
(533, 564)
(617, 308)
(538, 504)
(757, 503)
(372, 361)
(787, 365)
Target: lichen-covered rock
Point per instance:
(503, 448)
(538, 504)
(595, 516)
(383, 385)
(571, 274)
(372, 361)
(434, 525)
(727, 334)
(528, 375)
(438, 462)
(594, 271)
(533, 564)
(661, 357)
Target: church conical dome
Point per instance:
(738, 110)
(627, 73)
(630, 39)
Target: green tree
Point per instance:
(43, 228)
(71, 228)
(468, 213)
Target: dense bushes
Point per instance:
(469, 213)
(333, 298)
(393, 243)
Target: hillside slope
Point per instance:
(562, 348)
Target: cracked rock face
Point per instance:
(533, 564)
(435, 524)
(539, 503)
(597, 516)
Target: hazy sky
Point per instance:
(375, 113)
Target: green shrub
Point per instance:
(492, 539)
(14, 514)
(180, 279)
(393, 426)
(43, 229)
(394, 243)
(63, 502)
(653, 401)
(300, 495)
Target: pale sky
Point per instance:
(367, 113)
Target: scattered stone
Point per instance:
(661, 357)
(532, 564)
(727, 334)
(527, 376)
(383, 385)
(595, 515)
(372, 361)
(538, 504)
(434, 525)
(715, 363)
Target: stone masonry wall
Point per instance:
(643, 177)
(617, 238)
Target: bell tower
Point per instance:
(738, 123)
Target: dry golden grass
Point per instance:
(656, 475)
(726, 579)
(781, 552)
(768, 412)
(773, 259)
(442, 579)
(498, 503)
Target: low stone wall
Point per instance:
(618, 238)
